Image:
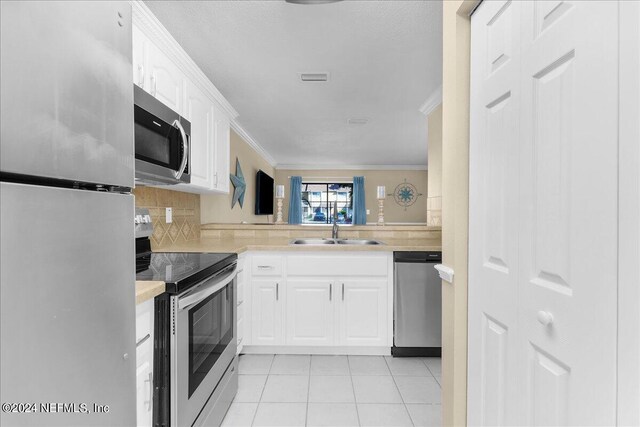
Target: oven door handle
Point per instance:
(206, 290)
(185, 149)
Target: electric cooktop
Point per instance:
(181, 270)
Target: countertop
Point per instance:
(239, 245)
(145, 290)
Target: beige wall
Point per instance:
(416, 213)
(217, 208)
(455, 206)
(434, 153)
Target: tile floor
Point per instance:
(287, 390)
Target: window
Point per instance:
(318, 200)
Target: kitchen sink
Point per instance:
(358, 242)
(313, 242)
(335, 242)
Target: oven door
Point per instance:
(161, 142)
(205, 343)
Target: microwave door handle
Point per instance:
(196, 297)
(185, 149)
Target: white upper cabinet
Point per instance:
(166, 81)
(140, 43)
(222, 152)
(199, 110)
(163, 69)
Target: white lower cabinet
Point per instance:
(310, 312)
(241, 284)
(363, 311)
(294, 302)
(267, 312)
(144, 363)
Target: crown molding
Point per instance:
(242, 133)
(144, 19)
(432, 102)
(351, 167)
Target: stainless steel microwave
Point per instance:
(162, 139)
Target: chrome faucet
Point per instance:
(335, 229)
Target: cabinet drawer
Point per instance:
(262, 265)
(350, 265)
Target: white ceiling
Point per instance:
(384, 60)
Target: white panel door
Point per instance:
(543, 213)
(199, 112)
(362, 312)
(310, 312)
(267, 312)
(493, 216)
(568, 235)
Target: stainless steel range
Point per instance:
(195, 360)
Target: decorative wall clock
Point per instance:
(239, 185)
(405, 194)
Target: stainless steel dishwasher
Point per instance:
(417, 306)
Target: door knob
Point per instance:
(545, 318)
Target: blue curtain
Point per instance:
(295, 200)
(359, 207)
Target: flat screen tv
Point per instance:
(264, 194)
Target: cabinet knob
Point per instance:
(545, 318)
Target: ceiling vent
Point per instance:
(314, 77)
(358, 121)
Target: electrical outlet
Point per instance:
(368, 211)
(169, 215)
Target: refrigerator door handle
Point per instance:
(185, 149)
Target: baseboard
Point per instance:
(330, 350)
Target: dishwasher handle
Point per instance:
(417, 257)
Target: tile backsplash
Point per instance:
(186, 214)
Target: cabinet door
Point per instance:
(363, 312)
(144, 363)
(144, 384)
(267, 312)
(165, 79)
(199, 111)
(310, 314)
(139, 58)
(221, 155)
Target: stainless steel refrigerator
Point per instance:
(67, 245)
